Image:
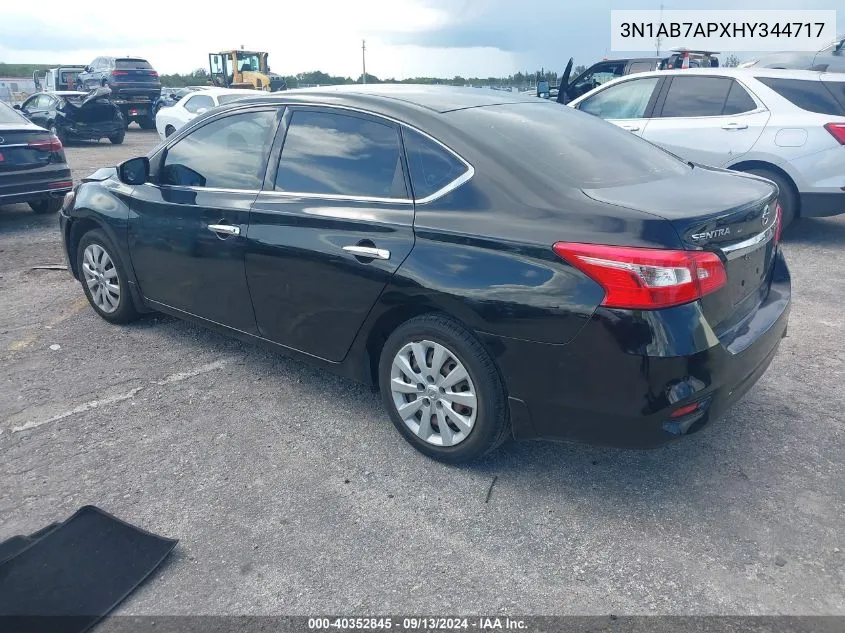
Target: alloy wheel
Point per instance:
(433, 393)
(101, 278)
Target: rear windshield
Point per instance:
(132, 64)
(808, 94)
(562, 144)
(8, 115)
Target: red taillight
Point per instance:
(153, 73)
(685, 60)
(53, 144)
(837, 130)
(778, 222)
(646, 278)
(60, 184)
(118, 73)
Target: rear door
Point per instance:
(626, 104)
(706, 119)
(333, 224)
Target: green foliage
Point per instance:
(23, 70)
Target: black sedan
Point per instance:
(72, 115)
(498, 265)
(32, 164)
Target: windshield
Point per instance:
(562, 144)
(248, 61)
(132, 64)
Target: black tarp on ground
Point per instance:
(67, 576)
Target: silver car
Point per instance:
(785, 125)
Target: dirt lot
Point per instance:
(291, 492)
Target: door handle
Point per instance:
(227, 229)
(369, 252)
(631, 128)
(733, 125)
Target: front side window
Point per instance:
(626, 100)
(338, 154)
(599, 75)
(696, 96)
(228, 153)
(430, 165)
(196, 103)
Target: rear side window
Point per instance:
(810, 95)
(132, 64)
(431, 166)
(194, 104)
(739, 100)
(696, 96)
(337, 154)
(229, 153)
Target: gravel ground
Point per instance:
(291, 493)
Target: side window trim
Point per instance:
(157, 160)
(276, 157)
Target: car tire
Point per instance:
(474, 426)
(50, 205)
(147, 123)
(168, 131)
(117, 139)
(787, 198)
(96, 257)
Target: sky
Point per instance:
(404, 38)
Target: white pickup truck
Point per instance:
(61, 78)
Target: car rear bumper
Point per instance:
(821, 205)
(93, 131)
(31, 185)
(618, 382)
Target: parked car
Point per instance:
(602, 72)
(830, 59)
(785, 125)
(33, 168)
(190, 106)
(77, 115)
(498, 264)
(134, 84)
(170, 96)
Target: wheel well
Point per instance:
(759, 164)
(77, 230)
(383, 328)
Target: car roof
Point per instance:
(437, 98)
(66, 93)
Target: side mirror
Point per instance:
(17, 106)
(135, 171)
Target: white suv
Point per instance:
(785, 125)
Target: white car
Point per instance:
(785, 125)
(169, 119)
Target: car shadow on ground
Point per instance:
(818, 231)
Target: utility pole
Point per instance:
(364, 60)
(657, 44)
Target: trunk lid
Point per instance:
(730, 214)
(18, 153)
(90, 109)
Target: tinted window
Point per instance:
(229, 98)
(431, 166)
(837, 89)
(199, 101)
(328, 153)
(641, 67)
(132, 64)
(810, 95)
(739, 100)
(626, 100)
(696, 96)
(230, 153)
(599, 74)
(554, 146)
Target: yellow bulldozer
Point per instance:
(243, 69)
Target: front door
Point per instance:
(710, 120)
(188, 228)
(625, 104)
(334, 223)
